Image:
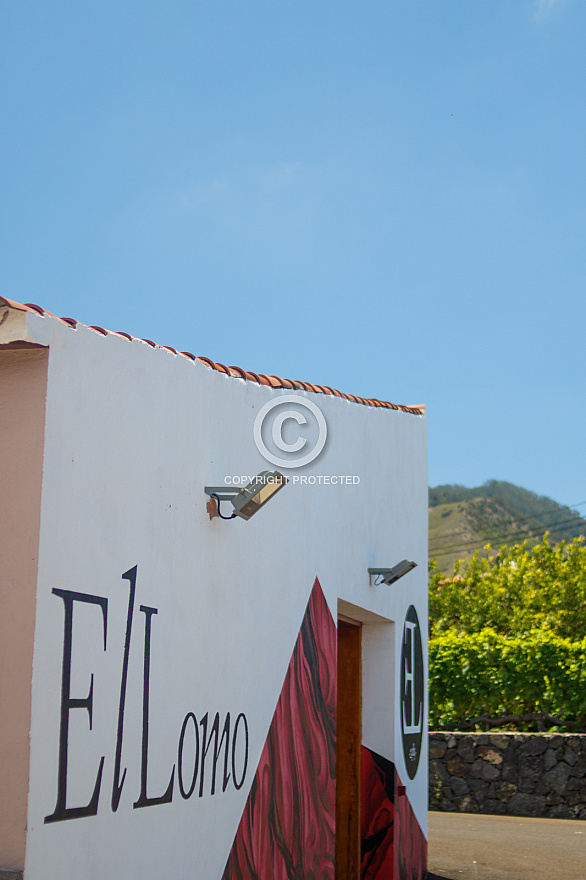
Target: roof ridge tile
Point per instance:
(234, 372)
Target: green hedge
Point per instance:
(484, 673)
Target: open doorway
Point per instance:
(348, 741)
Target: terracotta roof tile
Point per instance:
(305, 386)
(235, 372)
(34, 308)
(15, 305)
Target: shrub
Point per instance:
(490, 674)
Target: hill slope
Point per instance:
(462, 520)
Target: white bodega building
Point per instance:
(196, 696)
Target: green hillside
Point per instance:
(462, 520)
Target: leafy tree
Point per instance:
(514, 591)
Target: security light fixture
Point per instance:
(390, 575)
(247, 500)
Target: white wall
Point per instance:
(132, 436)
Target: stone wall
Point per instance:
(515, 774)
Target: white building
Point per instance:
(172, 685)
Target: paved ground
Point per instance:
(468, 846)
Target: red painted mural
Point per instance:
(287, 830)
(393, 846)
(377, 816)
(410, 842)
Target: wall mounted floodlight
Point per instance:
(248, 500)
(390, 575)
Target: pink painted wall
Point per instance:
(23, 385)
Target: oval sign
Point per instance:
(412, 691)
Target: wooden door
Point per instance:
(349, 730)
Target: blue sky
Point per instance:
(384, 197)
